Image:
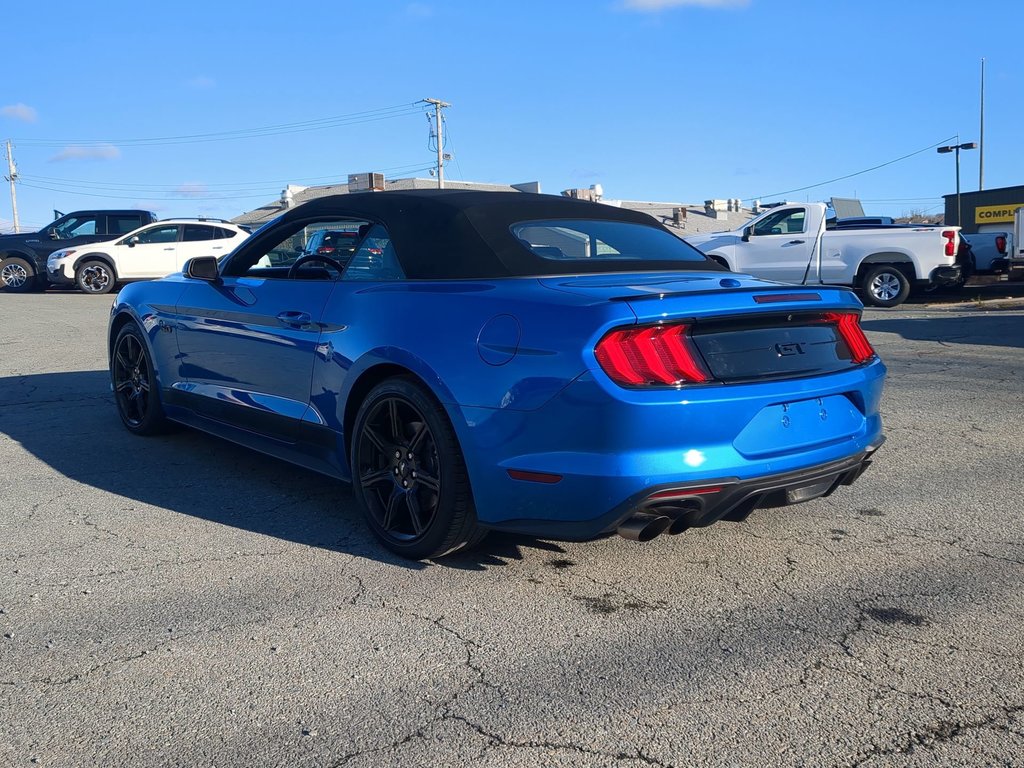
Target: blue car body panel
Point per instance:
(512, 362)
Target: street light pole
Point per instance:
(956, 149)
(958, 215)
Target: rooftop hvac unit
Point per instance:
(366, 182)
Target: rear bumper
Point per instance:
(694, 507)
(951, 275)
(606, 450)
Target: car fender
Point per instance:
(95, 256)
(161, 342)
(24, 253)
(720, 257)
(891, 256)
(337, 409)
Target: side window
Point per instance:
(219, 233)
(790, 221)
(375, 258)
(122, 225)
(165, 234)
(76, 226)
(194, 232)
(334, 241)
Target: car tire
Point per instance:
(95, 277)
(134, 383)
(885, 286)
(408, 474)
(17, 275)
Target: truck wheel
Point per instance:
(17, 275)
(94, 277)
(886, 286)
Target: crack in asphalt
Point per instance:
(123, 660)
(497, 741)
(938, 733)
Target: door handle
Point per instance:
(297, 319)
(168, 249)
(796, 242)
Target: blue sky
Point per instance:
(655, 99)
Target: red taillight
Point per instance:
(1001, 244)
(323, 250)
(652, 355)
(848, 324)
(950, 235)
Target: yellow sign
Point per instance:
(992, 214)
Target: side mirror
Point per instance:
(748, 232)
(133, 241)
(203, 268)
(54, 235)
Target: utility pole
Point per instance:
(438, 106)
(12, 176)
(981, 140)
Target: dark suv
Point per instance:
(337, 243)
(23, 256)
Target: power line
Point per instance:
(451, 140)
(184, 198)
(165, 195)
(225, 184)
(113, 186)
(354, 118)
(851, 175)
(900, 199)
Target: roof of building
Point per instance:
(696, 221)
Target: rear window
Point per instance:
(595, 240)
(195, 232)
(122, 225)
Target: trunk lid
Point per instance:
(742, 329)
(626, 286)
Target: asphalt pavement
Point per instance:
(180, 601)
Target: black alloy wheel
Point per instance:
(408, 473)
(95, 277)
(134, 382)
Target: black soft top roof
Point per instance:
(451, 233)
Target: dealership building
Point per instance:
(987, 210)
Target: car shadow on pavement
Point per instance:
(68, 421)
(994, 330)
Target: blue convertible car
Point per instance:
(508, 361)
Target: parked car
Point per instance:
(23, 256)
(149, 252)
(791, 244)
(339, 243)
(989, 251)
(628, 384)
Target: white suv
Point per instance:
(155, 250)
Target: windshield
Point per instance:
(590, 240)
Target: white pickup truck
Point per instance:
(791, 243)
